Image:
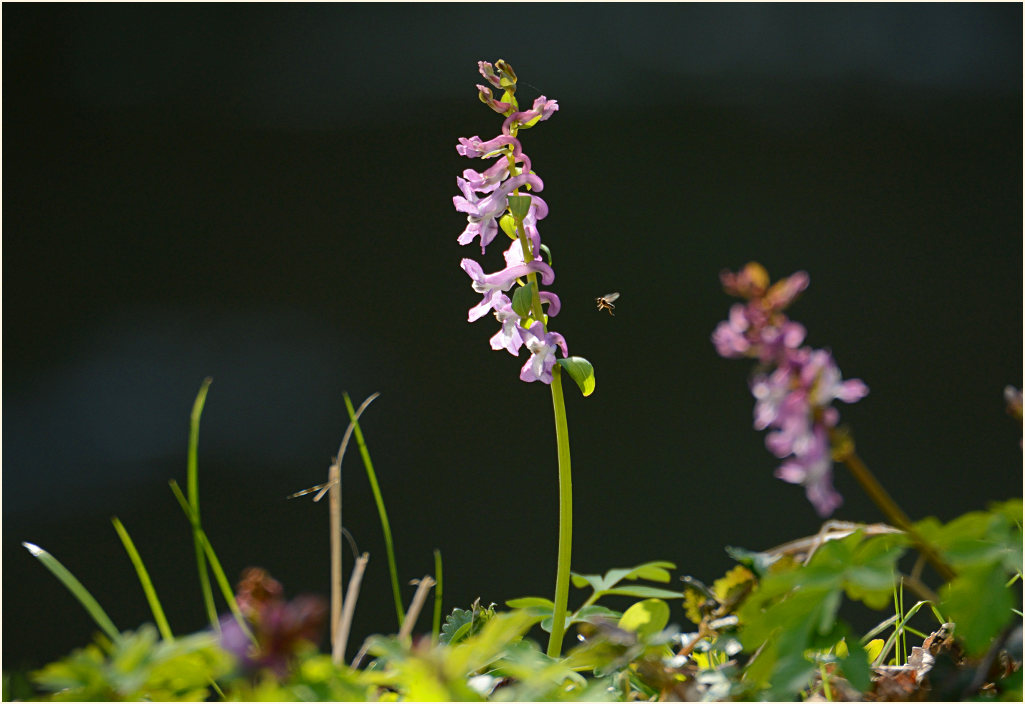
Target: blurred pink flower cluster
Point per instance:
(794, 386)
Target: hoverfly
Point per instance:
(605, 302)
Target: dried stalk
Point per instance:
(341, 639)
(417, 604)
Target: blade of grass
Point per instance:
(192, 484)
(215, 565)
(436, 625)
(899, 628)
(372, 477)
(69, 581)
(144, 580)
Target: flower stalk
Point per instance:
(795, 387)
(502, 198)
(565, 517)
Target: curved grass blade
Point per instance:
(372, 477)
(192, 484)
(147, 584)
(215, 565)
(92, 607)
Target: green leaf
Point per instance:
(759, 562)
(522, 298)
(508, 225)
(653, 572)
(528, 601)
(979, 603)
(643, 591)
(581, 371)
(646, 618)
(594, 614)
(519, 206)
(144, 580)
(457, 625)
(72, 584)
(582, 580)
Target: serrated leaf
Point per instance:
(645, 618)
(456, 626)
(581, 371)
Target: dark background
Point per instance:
(262, 194)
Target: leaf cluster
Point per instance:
(138, 666)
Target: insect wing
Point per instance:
(610, 297)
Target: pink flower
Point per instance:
(795, 386)
(542, 348)
(485, 198)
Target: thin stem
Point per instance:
(565, 516)
(528, 256)
(192, 485)
(341, 636)
(144, 580)
(436, 624)
(423, 586)
(886, 504)
(334, 478)
(379, 500)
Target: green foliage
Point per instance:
(71, 583)
(602, 585)
(794, 611)
(646, 618)
(494, 662)
(463, 623)
(606, 584)
(523, 299)
(985, 548)
(139, 666)
(581, 371)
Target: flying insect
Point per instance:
(605, 302)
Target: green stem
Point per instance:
(565, 516)
(436, 625)
(192, 484)
(385, 527)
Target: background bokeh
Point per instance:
(262, 194)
